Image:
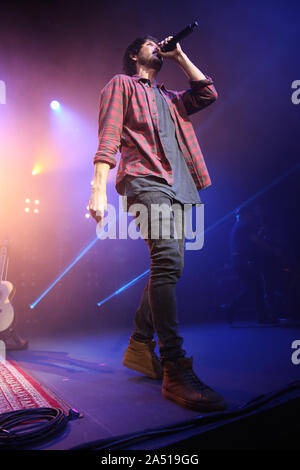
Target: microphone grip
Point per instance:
(179, 36)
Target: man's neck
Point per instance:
(149, 74)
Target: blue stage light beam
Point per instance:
(252, 198)
(211, 227)
(86, 249)
(126, 286)
(67, 269)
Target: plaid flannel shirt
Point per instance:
(128, 121)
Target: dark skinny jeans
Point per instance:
(157, 311)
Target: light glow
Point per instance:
(36, 170)
(55, 105)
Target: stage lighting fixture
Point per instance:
(30, 202)
(55, 105)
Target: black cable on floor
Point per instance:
(25, 427)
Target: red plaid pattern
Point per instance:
(128, 121)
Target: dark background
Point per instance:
(68, 50)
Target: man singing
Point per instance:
(161, 163)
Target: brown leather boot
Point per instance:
(142, 358)
(181, 384)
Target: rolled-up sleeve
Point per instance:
(110, 124)
(201, 94)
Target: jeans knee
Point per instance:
(167, 263)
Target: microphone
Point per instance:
(179, 36)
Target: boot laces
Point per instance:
(192, 379)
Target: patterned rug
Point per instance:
(19, 391)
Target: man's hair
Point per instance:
(129, 65)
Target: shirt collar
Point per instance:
(146, 80)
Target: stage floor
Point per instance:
(86, 371)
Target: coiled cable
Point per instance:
(24, 427)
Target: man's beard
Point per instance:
(155, 62)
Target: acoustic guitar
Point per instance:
(7, 292)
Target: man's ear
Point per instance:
(133, 57)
